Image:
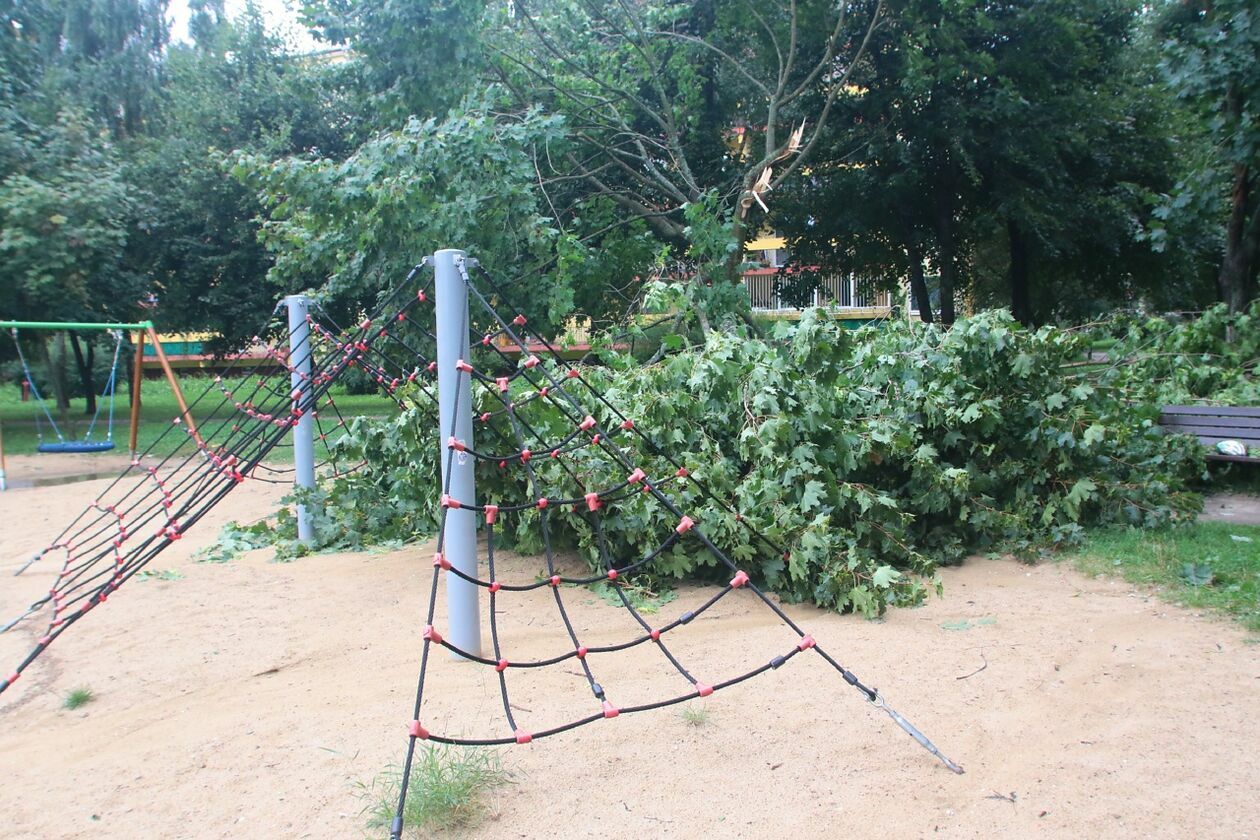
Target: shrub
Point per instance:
(870, 455)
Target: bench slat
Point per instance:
(1208, 423)
(1213, 410)
(1222, 432)
(1238, 459)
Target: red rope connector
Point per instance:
(485, 417)
(420, 296)
(684, 525)
(485, 341)
(656, 635)
(542, 503)
(610, 711)
(595, 441)
(588, 422)
(519, 320)
(544, 391)
(13, 677)
(432, 366)
(415, 730)
(439, 559)
(532, 361)
(523, 737)
(741, 578)
(502, 382)
(555, 580)
(432, 635)
(612, 574)
(581, 653)
(806, 643)
(627, 424)
(495, 586)
(366, 324)
(682, 472)
(501, 665)
(457, 445)
(492, 513)
(592, 501)
(555, 453)
(636, 476)
(463, 367)
(572, 374)
(448, 502)
(526, 455)
(704, 689)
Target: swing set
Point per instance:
(87, 443)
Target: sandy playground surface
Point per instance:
(251, 699)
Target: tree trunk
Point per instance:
(943, 221)
(1242, 239)
(918, 286)
(1021, 305)
(56, 366)
(85, 372)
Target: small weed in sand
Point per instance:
(76, 698)
(160, 574)
(695, 715)
(448, 789)
(642, 597)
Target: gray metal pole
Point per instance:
(455, 419)
(304, 431)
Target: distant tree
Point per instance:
(1212, 62)
(197, 237)
(1007, 144)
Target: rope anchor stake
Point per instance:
(878, 702)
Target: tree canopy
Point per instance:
(1059, 158)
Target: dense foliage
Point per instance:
(869, 456)
(1213, 357)
(1064, 157)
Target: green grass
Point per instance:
(1206, 565)
(448, 789)
(158, 408)
(695, 715)
(644, 599)
(76, 698)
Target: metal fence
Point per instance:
(789, 293)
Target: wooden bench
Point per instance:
(1212, 424)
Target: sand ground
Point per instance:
(253, 699)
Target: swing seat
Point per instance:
(77, 446)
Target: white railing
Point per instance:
(833, 292)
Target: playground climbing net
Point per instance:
(601, 459)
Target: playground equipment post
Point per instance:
(455, 419)
(304, 431)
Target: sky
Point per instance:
(279, 15)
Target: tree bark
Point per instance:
(943, 221)
(918, 286)
(84, 364)
(56, 367)
(1021, 304)
(1242, 240)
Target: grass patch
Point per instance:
(158, 407)
(1208, 565)
(448, 789)
(76, 698)
(160, 574)
(642, 597)
(695, 715)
